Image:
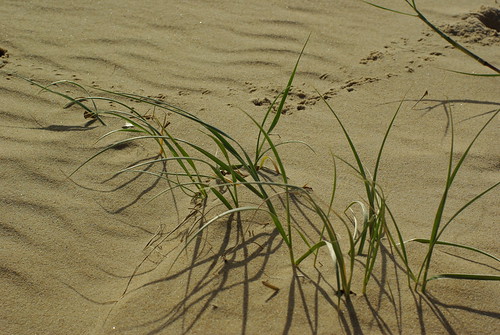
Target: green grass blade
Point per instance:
(287, 90)
(474, 74)
(67, 97)
(382, 145)
(425, 241)
(310, 251)
(388, 9)
(465, 276)
(466, 152)
(278, 113)
(465, 206)
(221, 197)
(424, 269)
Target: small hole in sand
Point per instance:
(490, 17)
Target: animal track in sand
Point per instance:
(373, 56)
(349, 85)
(299, 98)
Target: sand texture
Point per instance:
(93, 253)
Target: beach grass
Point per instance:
(201, 173)
(236, 166)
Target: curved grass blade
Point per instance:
(426, 241)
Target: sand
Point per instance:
(69, 245)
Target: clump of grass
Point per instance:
(376, 212)
(201, 173)
(376, 223)
(438, 226)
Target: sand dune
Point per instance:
(69, 244)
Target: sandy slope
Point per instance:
(69, 245)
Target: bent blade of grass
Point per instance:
(286, 142)
(331, 252)
(363, 210)
(67, 97)
(77, 85)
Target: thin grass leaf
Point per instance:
(279, 109)
(334, 185)
(309, 252)
(263, 153)
(222, 164)
(464, 276)
(382, 145)
(465, 206)
(67, 97)
(426, 241)
(287, 90)
(474, 74)
(221, 197)
(389, 10)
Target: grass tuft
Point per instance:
(200, 173)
